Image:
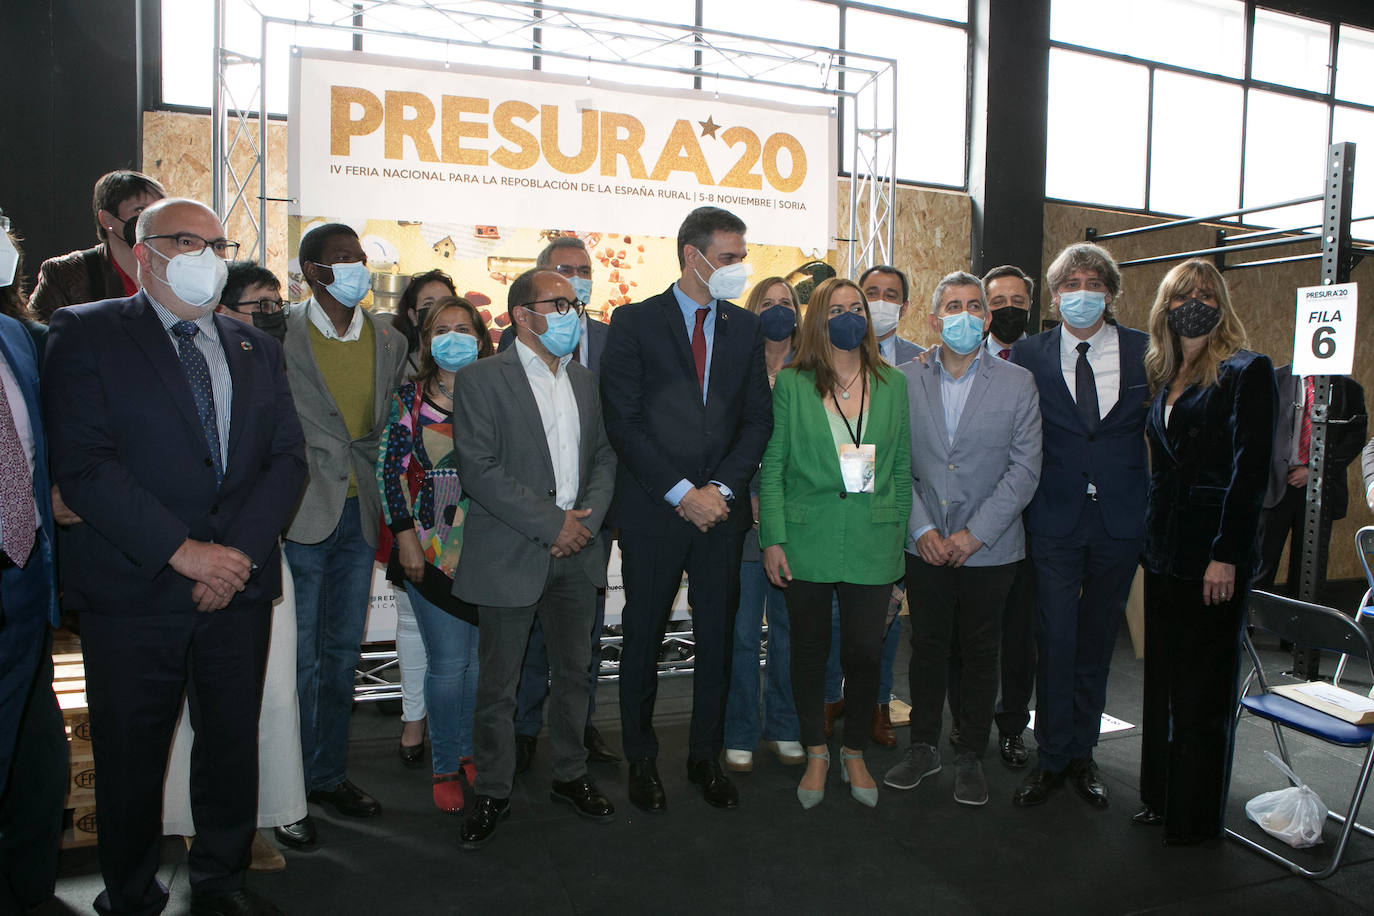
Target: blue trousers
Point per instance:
(743, 725)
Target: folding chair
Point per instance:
(1317, 627)
(1364, 545)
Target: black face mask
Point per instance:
(130, 231)
(1008, 323)
(273, 323)
(1194, 318)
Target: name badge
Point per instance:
(857, 463)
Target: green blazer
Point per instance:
(830, 535)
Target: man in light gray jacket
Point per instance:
(975, 464)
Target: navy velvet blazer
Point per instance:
(1112, 457)
(129, 456)
(1209, 468)
(656, 420)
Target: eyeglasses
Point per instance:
(263, 306)
(189, 243)
(560, 305)
(568, 270)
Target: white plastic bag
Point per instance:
(1294, 815)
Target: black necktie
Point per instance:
(1085, 388)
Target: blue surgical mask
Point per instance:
(582, 289)
(1081, 308)
(351, 282)
(847, 330)
(778, 322)
(961, 332)
(453, 350)
(562, 334)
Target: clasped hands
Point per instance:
(704, 507)
(947, 551)
(219, 572)
(574, 535)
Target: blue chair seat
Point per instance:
(1314, 722)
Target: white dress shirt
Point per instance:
(325, 325)
(1104, 356)
(553, 393)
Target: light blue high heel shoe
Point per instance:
(810, 798)
(867, 796)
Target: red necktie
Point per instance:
(1004, 353)
(699, 346)
(16, 488)
(1305, 438)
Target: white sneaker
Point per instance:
(791, 753)
(739, 761)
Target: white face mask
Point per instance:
(884, 315)
(9, 255)
(196, 279)
(726, 282)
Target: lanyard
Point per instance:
(863, 393)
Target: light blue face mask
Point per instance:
(453, 350)
(562, 334)
(961, 332)
(1081, 308)
(582, 289)
(351, 282)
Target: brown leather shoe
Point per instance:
(882, 726)
(833, 711)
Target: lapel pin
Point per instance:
(245, 344)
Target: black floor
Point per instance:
(917, 852)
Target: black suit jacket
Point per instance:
(1344, 439)
(129, 456)
(657, 422)
(1209, 469)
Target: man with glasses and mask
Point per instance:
(253, 294)
(109, 270)
(343, 365)
(534, 458)
(689, 412)
(173, 436)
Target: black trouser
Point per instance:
(863, 623)
(1286, 522)
(948, 603)
(1018, 657)
(1192, 659)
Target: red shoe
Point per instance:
(448, 792)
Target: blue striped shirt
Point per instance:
(221, 383)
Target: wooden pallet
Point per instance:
(69, 683)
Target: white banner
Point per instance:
(388, 138)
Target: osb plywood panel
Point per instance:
(1265, 299)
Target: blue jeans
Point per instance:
(742, 723)
(333, 585)
(450, 681)
(834, 675)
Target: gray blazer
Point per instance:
(905, 351)
(330, 451)
(505, 467)
(985, 479)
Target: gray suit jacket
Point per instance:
(505, 467)
(906, 351)
(330, 451)
(985, 479)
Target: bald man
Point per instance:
(173, 436)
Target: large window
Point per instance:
(929, 39)
(1193, 107)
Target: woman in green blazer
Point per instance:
(834, 496)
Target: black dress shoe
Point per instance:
(598, 751)
(1014, 753)
(411, 754)
(646, 789)
(300, 835)
(348, 799)
(1035, 789)
(1147, 817)
(716, 787)
(583, 795)
(241, 902)
(481, 823)
(1087, 782)
(524, 752)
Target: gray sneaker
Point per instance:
(970, 785)
(921, 760)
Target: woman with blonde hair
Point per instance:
(834, 498)
(1210, 430)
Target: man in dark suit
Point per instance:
(174, 438)
(33, 747)
(689, 412)
(1285, 498)
(566, 255)
(533, 456)
(1087, 520)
